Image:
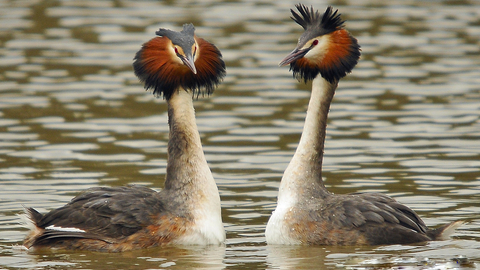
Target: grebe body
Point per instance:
(307, 213)
(179, 66)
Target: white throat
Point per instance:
(305, 168)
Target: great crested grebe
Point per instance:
(187, 211)
(307, 213)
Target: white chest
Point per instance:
(278, 229)
(207, 227)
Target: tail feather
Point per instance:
(444, 232)
(33, 215)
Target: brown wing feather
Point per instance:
(363, 218)
(103, 213)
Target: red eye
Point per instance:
(315, 42)
(176, 50)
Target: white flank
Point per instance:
(68, 229)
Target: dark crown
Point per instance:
(184, 38)
(311, 20)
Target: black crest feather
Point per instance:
(310, 19)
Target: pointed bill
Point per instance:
(189, 62)
(293, 56)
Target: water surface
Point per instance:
(406, 123)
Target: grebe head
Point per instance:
(177, 60)
(325, 47)
(183, 44)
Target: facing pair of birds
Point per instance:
(180, 65)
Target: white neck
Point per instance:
(302, 181)
(186, 160)
(303, 175)
(189, 180)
